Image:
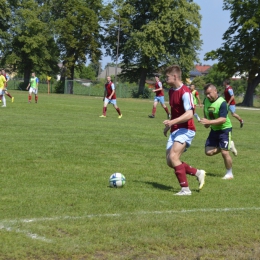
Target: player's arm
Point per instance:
(160, 87)
(187, 115)
(28, 86)
(113, 90)
(221, 119)
(198, 97)
(232, 97)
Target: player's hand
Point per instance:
(205, 122)
(165, 130)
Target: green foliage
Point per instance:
(240, 52)
(216, 76)
(78, 31)
(85, 72)
(56, 203)
(154, 34)
(199, 82)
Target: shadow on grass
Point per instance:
(157, 185)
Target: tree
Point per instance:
(152, 35)
(240, 52)
(216, 76)
(199, 82)
(77, 32)
(30, 45)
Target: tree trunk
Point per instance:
(142, 81)
(249, 96)
(70, 80)
(26, 76)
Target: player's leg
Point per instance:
(225, 143)
(232, 109)
(154, 108)
(9, 95)
(30, 95)
(4, 100)
(165, 107)
(113, 101)
(106, 101)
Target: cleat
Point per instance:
(3, 105)
(120, 116)
(151, 116)
(183, 192)
(0, 101)
(228, 177)
(233, 148)
(169, 116)
(12, 99)
(102, 116)
(201, 174)
(241, 123)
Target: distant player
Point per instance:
(110, 98)
(196, 100)
(159, 98)
(2, 88)
(33, 88)
(7, 79)
(230, 98)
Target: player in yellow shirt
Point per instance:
(2, 88)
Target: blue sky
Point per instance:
(214, 23)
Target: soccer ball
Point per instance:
(117, 180)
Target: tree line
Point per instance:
(145, 35)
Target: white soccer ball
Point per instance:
(117, 180)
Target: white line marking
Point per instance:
(6, 224)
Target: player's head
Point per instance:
(226, 82)
(157, 77)
(192, 87)
(33, 74)
(211, 92)
(108, 79)
(173, 74)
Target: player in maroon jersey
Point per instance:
(230, 98)
(159, 97)
(110, 98)
(182, 128)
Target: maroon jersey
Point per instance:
(109, 90)
(178, 101)
(159, 93)
(227, 95)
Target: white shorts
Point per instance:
(33, 90)
(181, 135)
(2, 92)
(110, 101)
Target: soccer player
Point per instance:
(230, 99)
(159, 97)
(2, 88)
(182, 130)
(7, 79)
(196, 99)
(110, 98)
(219, 139)
(33, 84)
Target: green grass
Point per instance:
(55, 202)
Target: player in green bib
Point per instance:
(219, 139)
(33, 88)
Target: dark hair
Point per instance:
(227, 81)
(208, 85)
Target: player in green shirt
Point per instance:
(219, 139)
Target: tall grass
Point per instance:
(56, 203)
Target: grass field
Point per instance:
(56, 159)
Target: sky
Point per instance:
(214, 23)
